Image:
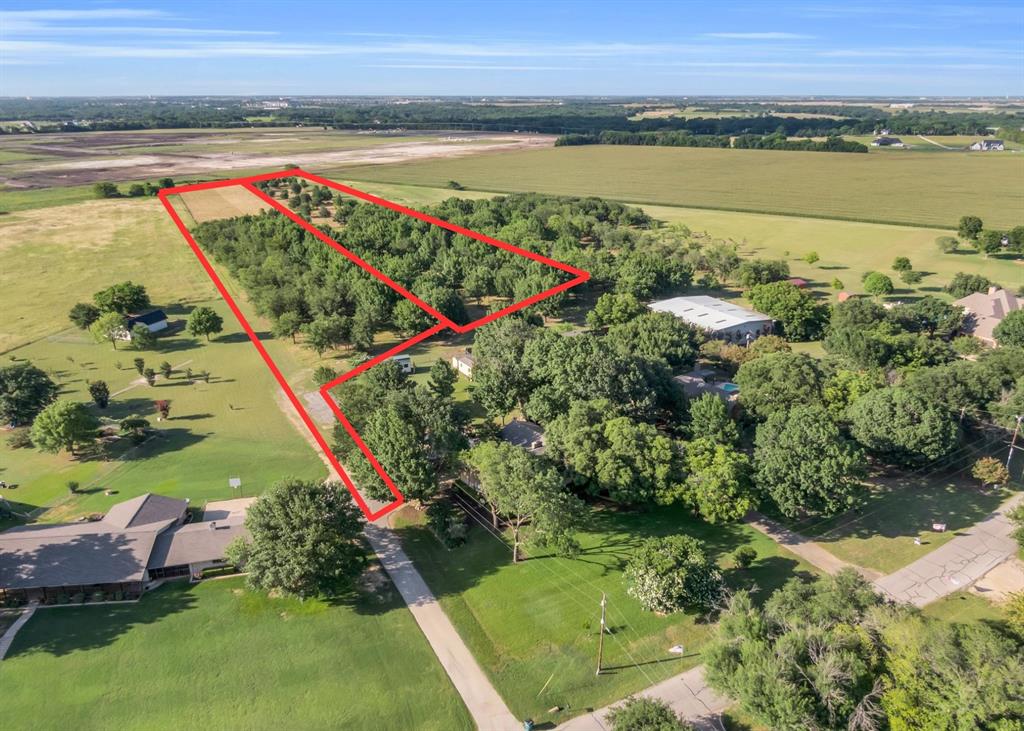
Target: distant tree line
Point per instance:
(775, 141)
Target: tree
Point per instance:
(947, 244)
(110, 326)
(1011, 330)
(323, 375)
(105, 190)
(945, 675)
(645, 714)
(305, 539)
(657, 336)
(140, 365)
(929, 315)
(718, 485)
(24, 391)
(811, 257)
(744, 557)
(776, 381)
(83, 315)
(325, 333)
(761, 271)
(801, 317)
(805, 464)
(64, 425)
(901, 264)
(969, 227)
(136, 190)
(990, 471)
(399, 445)
(964, 284)
(204, 321)
(124, 298)
(134, 428)
(501, 381)
(630, 462)
(805, 659)
(142, 338)
(862, 348)
(100, 393)
(709, 419)
(877, 284)
(527, 496)
(163, 407)
(989, 242)
(614, 309)
(899, 426)
(150, 375)
(671, 573)
(288, 325)
(166, 369)
(442, 379)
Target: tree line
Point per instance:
(777, 140)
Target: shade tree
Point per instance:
(64, 425)
(25, 390)
(672, 573)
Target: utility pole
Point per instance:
(1013, 442)
(600, 639)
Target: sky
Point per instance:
(497, 48)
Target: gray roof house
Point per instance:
(985, 310)
(525, 434)
(137, 541)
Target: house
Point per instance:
(985, 310)
(719, 318)
(988, 145)
(404, 363)
(525, 434)
(155, 321)
(700, 381)
(463, 363)
(887, 142)
(137, 542)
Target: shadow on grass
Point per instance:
(63, 630)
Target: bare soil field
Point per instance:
(209, 205)
(84, 158)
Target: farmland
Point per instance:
(214, 655)
(911, 189)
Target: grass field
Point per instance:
(215, 656)
(532, 626)
(208, 205)
(965, 608)
(880, 533)
(923, 190)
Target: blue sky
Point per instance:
(511, 48)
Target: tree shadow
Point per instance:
(240, 337)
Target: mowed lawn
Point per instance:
(920, 189)
(215, 656)
(229, 427)
(533, 626)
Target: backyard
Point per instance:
(250, 662)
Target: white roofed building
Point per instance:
(721, 319)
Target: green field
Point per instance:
(532, 626)
(966, 608)
(916, 189)
(215, 656)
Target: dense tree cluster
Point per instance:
(832, 655)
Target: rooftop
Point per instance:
(148, 318)
(710, 313)
(525, 434)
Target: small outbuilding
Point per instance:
(887, 142)
(463, 363)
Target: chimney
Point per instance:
(992, 291)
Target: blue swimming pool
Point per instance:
(730, 387)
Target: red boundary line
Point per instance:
(444, 323)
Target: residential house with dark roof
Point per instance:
(136, 542)
(154, 321)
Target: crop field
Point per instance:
(532, 626)
(208, 205)
(213, 655)
(923, 190)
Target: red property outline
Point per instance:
(444, 323)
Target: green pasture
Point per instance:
(213, 655)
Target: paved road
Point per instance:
(956, 565)
(483, 702)
(686, 693)
(12, 631)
